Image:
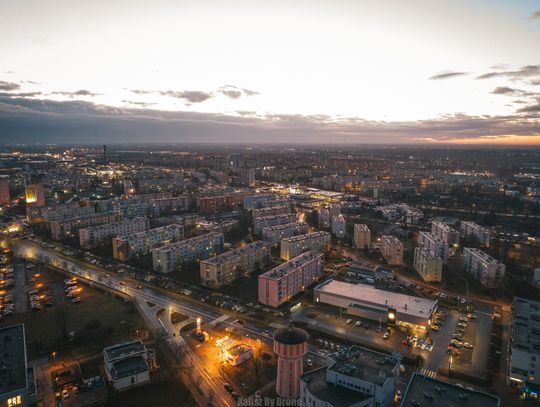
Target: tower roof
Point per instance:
(290, 335)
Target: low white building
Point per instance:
(362, 236)
(428, 266)
(296, 245)
(339, 226)
(127, 365)
(484, 268)
(392, 250)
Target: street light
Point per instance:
(54, 358)
(450, 360)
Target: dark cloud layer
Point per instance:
(9, 86)
(523, 72)
(447, 75)
(77, 93)
(192, 96)
(32, 120)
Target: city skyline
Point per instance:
(318, 72)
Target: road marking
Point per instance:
(428, 373)
(276, 325)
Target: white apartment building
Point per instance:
(63, 229)
(227, 267)
(487, 270)
(274, 234)
(356, 377)
(166, 259)
(480, 233)
(362, 236)
(128, 246)
(524, 344)
(445, 232)
(339, 226)
(435, 245)
(292, 247)
(281, 283)
(428, 266)
(265, 221)
(95, 236)
(392, 250)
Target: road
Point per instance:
(211, 387)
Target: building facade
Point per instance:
(362, 236)
(392, 250)
(4, 189)
(211, 204)
(434, 245)
(265, 221)
(445, 232)
(339, 226)
(294, 246)
(227, 267)
(95, 236)
(428, 266)
(274, 234)
(271, 211)
(480, 233)
(166, 259)
(34, 195)
(65, 229)
(141, 243)
(281, 283)
(484, 268)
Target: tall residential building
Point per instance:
(339, 229)
(434, 245)
(355, 377)
(362, 236)
(18, 384)
(428, 266)
(274, 234)
(4, 189)
(484, 268)
(480, 233)
(95, 236)
(141, 243)
(524, 345)
(166, 259)
(34, 195)
(260, 223)
(281, 283)
(68, 228)
(247, 176)
(445, 232)
(294, 246)
(392, 250)
(227, 267)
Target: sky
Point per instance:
(342, 71)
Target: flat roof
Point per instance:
(391, 239)
(239, 349)
(416, 306)
(231, 254)
(187, 242)
(13, 373)
(129, 366)
(124, 349)
(284, 226)
(526, 325)
(306, 236)
(361, 227)
(283, 269)
(429, 391)
(481, 255)
(338, 396)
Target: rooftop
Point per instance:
(480, 254)
(526, 325)
(290, 335)
(12, 359)
(239, 349)
(129, 366)
(361, 227)
(391, 239)
(192, 240)
(432, 237)
(284, 226)
(270, 217)
(123, 350)
(306, 236)
(291, 265)
(231, 254)
(416, 306)
(149, 232)
(338, 396)
(429, 391)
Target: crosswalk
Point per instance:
(276, 325)
(428, 373)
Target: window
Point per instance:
(14, 401)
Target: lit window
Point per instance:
(14, 401)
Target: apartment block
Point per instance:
(271, 211)
(260, 223)
(58, 212)
(4, 189)
(247, 176)
(294, 246)
(339, 226)
(65, 229)
(166, 259)
(259, 200)
(141, 243)
(210, 204)
(281, 283)
(227, 267)
(324, 218)
(428, 266)
(274, 234)
(95, 236)
(524, 344)
(480, 233)
(484, 268)
(362, 236)
(445, 232)
(434, 245)
(392, 250)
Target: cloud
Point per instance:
(77, 121)
(141, 91)
(9, 86)
(505, 90)
(234, 92)
(80, 92)
(447, 75)
(20, 94)
(192, 96)
(536, 14)
(523, 72)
